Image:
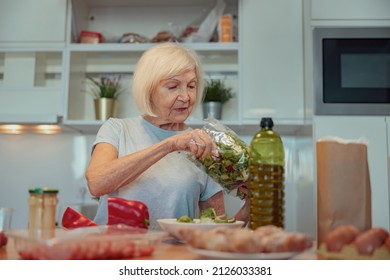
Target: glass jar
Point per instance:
(42, 212)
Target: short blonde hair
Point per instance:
(161, 62)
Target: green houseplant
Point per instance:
(106, 87)
(105, 92)
(216, 94)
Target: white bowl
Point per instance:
(171, 226)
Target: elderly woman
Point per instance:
(142, 158)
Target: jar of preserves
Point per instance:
(42, 212)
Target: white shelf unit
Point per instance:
(112, 19)
(253, 65)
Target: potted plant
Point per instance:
(105, 92)
(216, 94)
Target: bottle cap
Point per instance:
(42, 190)
(266, 123)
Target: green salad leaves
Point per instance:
(207, 216)
(231, 168)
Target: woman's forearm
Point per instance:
(105, 175)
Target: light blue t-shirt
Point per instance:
(171, 188)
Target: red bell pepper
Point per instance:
(72, 219)
(129, 212)
(3, 239)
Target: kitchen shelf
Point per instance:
(122, 58)
(103, 47)
(98, 62)
(113, 19)
(285, 129)
(147, 17)
(92, 127)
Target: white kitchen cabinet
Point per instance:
(349, 13)
(375, 130)
(147, 18)
(350, 9)
(32, 22)
(32, 42)
(271, 57)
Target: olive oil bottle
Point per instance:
(266, 177)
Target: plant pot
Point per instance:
(105, 108)
(212, 109)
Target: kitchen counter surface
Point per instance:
(168, 249)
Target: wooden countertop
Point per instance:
(168, 249)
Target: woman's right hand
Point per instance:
(197, 142)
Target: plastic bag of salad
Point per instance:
(231, 168)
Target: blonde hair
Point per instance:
(161, 62)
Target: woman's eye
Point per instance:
(172, 87)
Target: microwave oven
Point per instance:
(351, 70)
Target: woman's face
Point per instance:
(174, 98)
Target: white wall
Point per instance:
(59, 161)
(31, 160)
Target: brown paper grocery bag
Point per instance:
(343, 185)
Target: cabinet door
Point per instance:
(32, 21)
(272, 60)
(350, 9)
(374, 130)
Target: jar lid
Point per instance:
(43, 190)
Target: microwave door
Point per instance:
(353, 75)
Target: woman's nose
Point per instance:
(184, 94)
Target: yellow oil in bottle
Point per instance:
(267, 195)
(266, 178)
